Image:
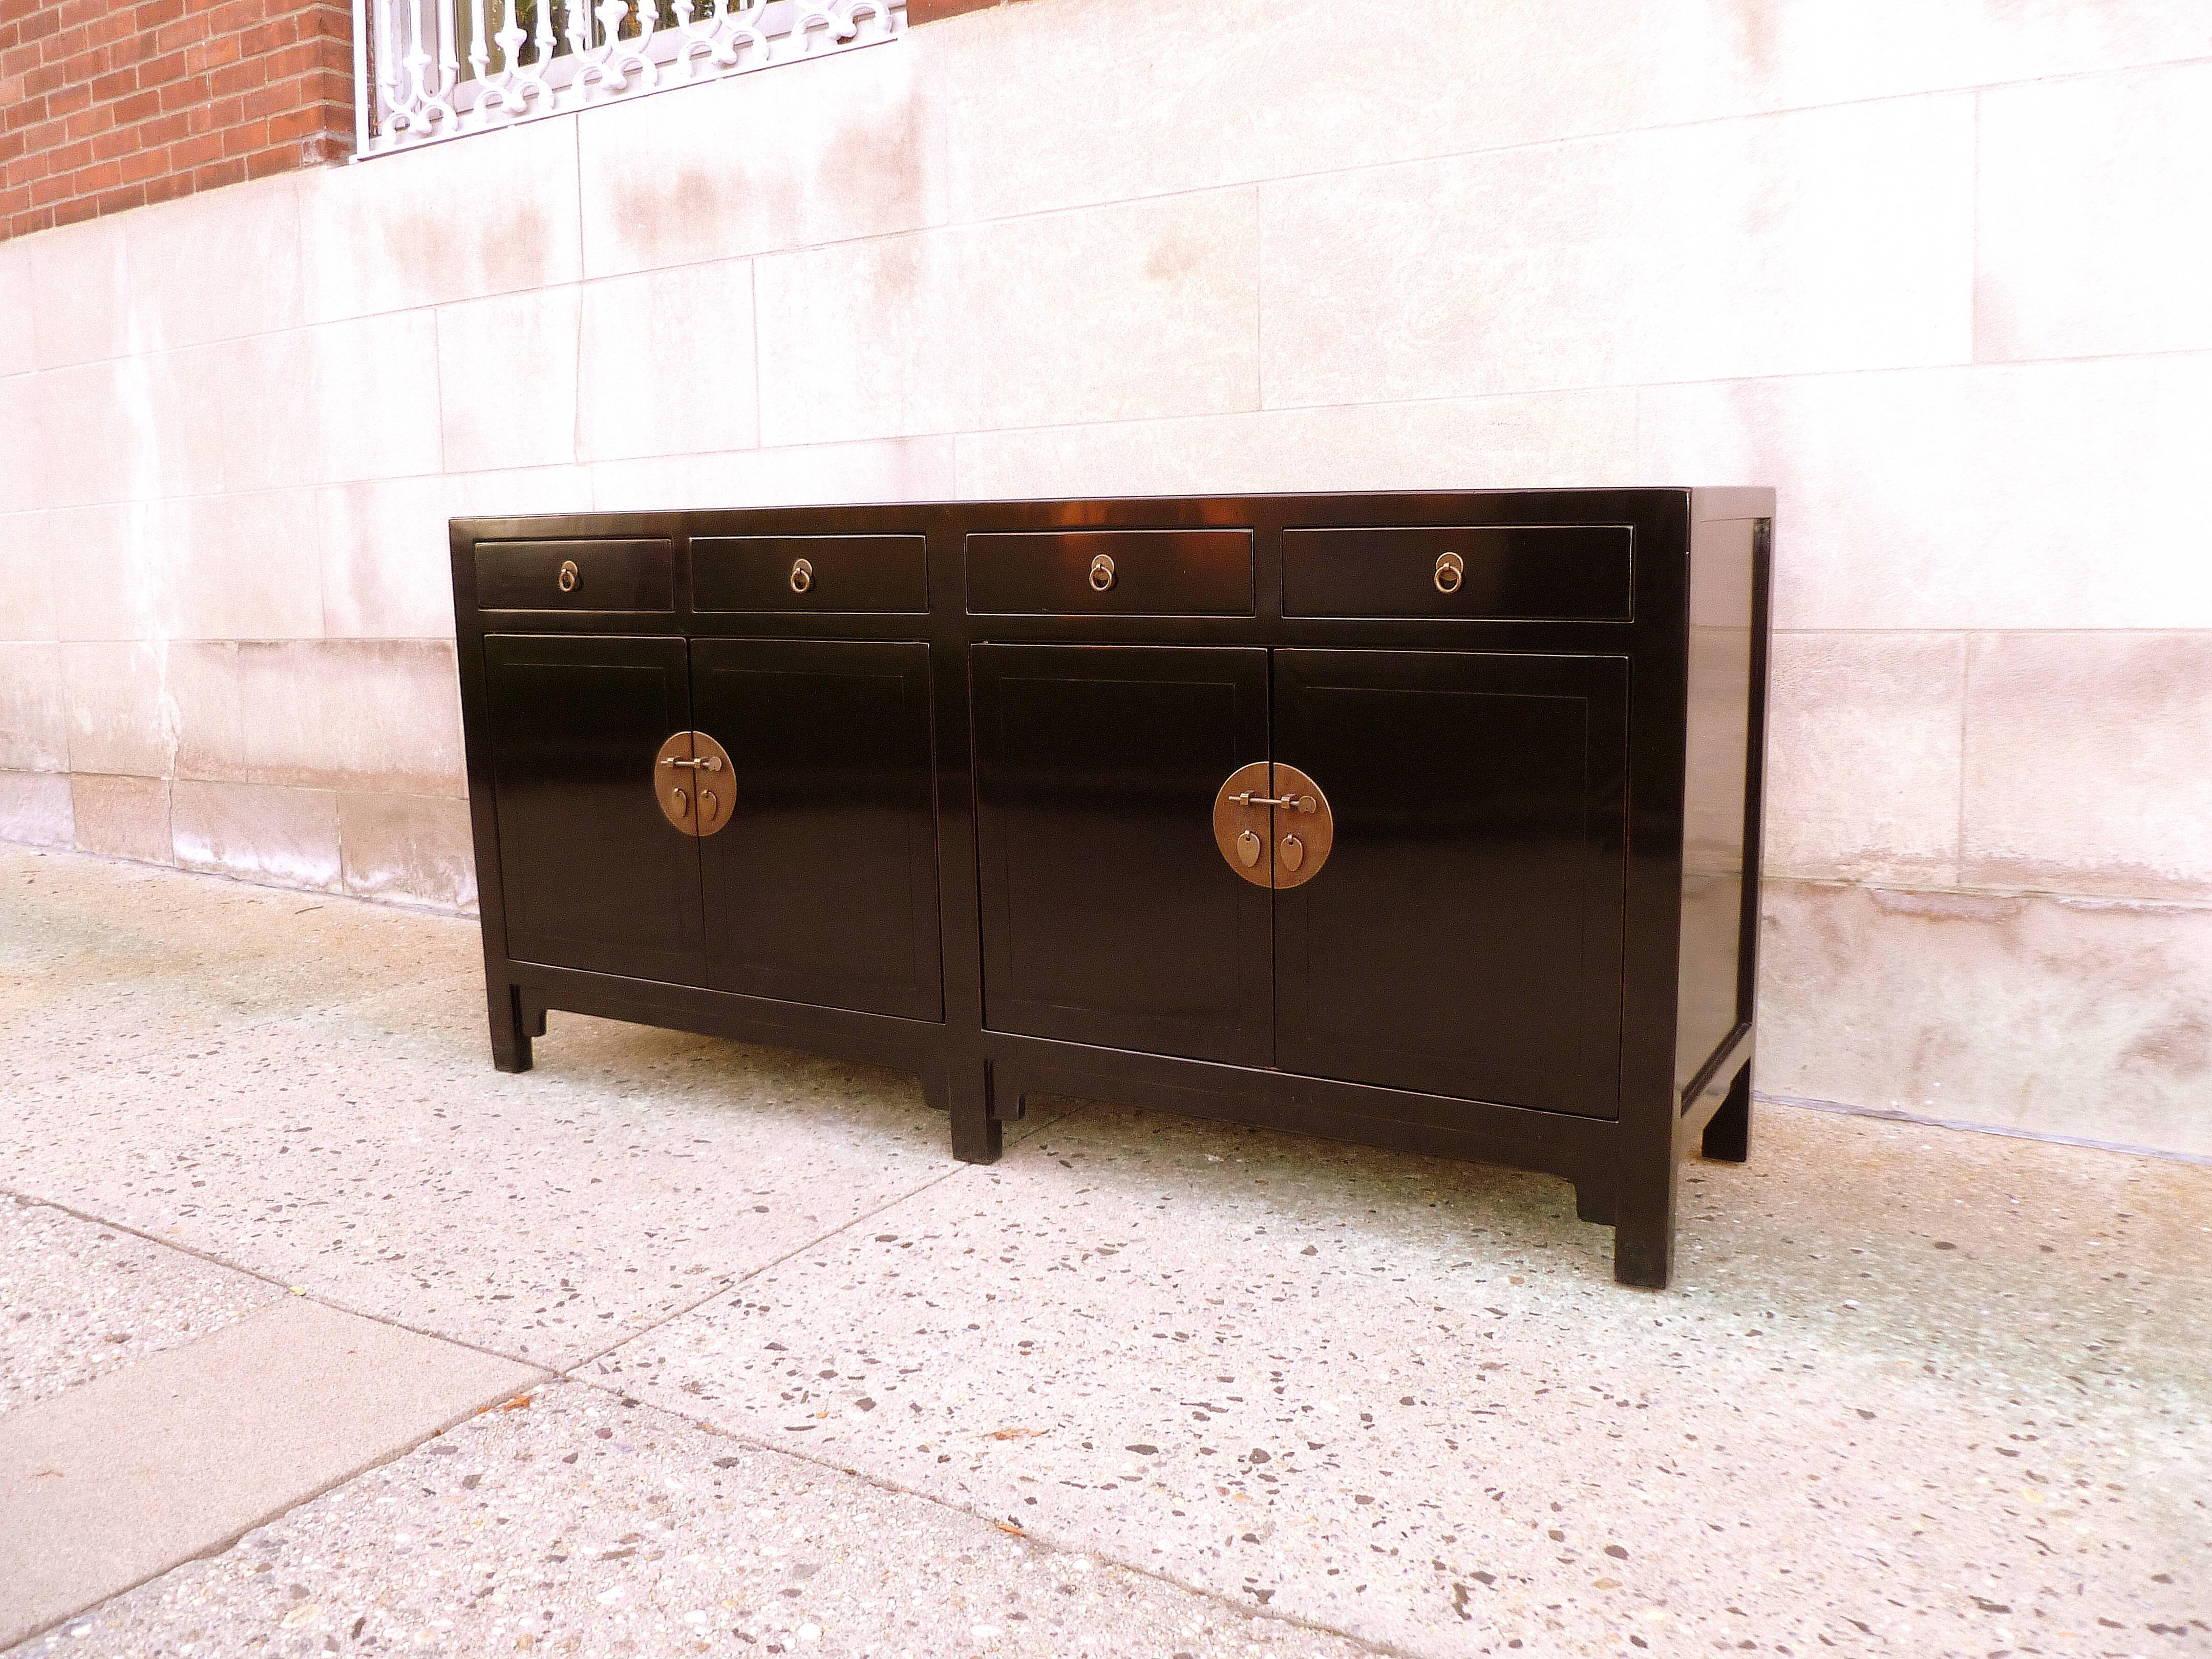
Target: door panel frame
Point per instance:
(909, 660)
(1600, 683)
(670, 655)
(1251, 1040)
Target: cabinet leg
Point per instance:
(966, 1089)
(1644, 1226)
(511, 1029)
(1642, 1253)
(1594, 1203)
(1727, 1131)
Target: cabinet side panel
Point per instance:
(1723, 588)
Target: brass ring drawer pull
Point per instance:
(568, 576)
(1101, 573)
(1451, 570)
(802, 575)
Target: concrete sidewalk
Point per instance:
(318, 1336)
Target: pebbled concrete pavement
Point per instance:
(1145, 1387)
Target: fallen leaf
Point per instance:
(300, 1615)
(520, 1402)
(1014, 1434)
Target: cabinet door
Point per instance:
(1109, 916)
(592, 876)
(823, 886)
(1464, 938)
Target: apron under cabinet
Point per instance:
(1428, 821)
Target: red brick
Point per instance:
(245, 137)
(160, 71)
(142, 165)
(294, 60)
(107, 103)
(192, 89)
(112, 30)
(138, 107)
(294, 124)
(188, 153)
(127, 195)
(87, 122)
(265, 37)
(164, 131)
(130, 49)
(75, 212)
(171, 184)
(230, 80)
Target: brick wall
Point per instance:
(108, 104)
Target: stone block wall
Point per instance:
(1934, 272)
(106, 105)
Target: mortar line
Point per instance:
(1922, 1120)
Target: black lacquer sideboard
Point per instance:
(1429, 820)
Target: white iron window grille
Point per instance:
(426, 70)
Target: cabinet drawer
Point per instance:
(1142, 573)
(578, 575)
(1564, 573)
(810, 572)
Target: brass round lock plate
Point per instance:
(1234, 821)
(1305, 829)
(692, 783)
(1272, 824)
